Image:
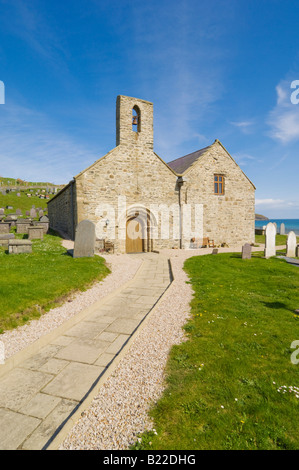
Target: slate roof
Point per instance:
(180, 165)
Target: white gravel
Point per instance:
(120, 411)
(123, 269)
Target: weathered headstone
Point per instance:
(4, 238)
(246, 251)
(4, 227)
(33, 213)
(291, 245)
(18, 212)
(215, 251)
(282, 229)
(19, 194)
(85, 239)
(19, 246)
(270, 245)
(22, 225)
(1, 211)
(35, 232)
(40, 213)
(27, 212)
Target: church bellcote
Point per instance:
(134, 122)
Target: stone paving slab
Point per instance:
(41, 394)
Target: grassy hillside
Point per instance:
(23, 202)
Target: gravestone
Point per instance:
(27, 212)
(35, 232)
(215, 251)
(246, 251)
(19, 194)
(4, 238)
(18, 212)
(33, 213)
(4, 227)
(282, 229)
(85, 239)
(270, 244)
(291, 245)
(1, 211)
(40, 213)
(19, 246)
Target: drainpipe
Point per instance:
(180, 182)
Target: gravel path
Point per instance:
(120, 411)
(123, 269)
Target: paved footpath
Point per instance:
(40, 395)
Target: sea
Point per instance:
(290, 224)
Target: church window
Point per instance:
(218, 184)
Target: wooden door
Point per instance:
(134, 238)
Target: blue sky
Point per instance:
(213, 69)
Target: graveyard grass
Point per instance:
(23, 202)
(31, 284)
(222, 383)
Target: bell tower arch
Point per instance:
(134, 122)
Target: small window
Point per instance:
(218, 184)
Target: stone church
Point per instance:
(140, 203)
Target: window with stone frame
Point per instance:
(219, 184)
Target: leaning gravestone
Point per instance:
(85, 239)
(291, 245)
(270, 245)
(246, 251)
(282, 229)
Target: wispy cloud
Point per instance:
(245, 126)
(244, 159)
(284, 118)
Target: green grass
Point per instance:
(221, 390)
(33, 283)
(23, 202)
(280, 239)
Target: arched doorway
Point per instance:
(135, 235)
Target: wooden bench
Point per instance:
(201, 243)
(207, 243)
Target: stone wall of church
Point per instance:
(62, 211)
(227, 218)
(128, 179)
